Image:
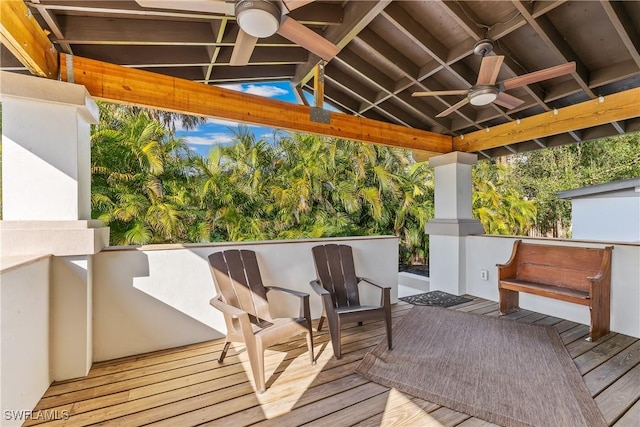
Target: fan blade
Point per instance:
(489, 69)
(308, 39)
(507, 101)
(208, 6)
(440, 92)
(243, 48)
(294, 4)
(538, 76)
(454, 107)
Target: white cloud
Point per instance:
(222, 122)
(209, 139)
(261, 90)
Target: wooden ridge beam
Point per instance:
(611, 108)
(21, 34)
(130, 86)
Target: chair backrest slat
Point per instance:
(238, 280)
(336, 271)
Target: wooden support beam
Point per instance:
(21, 34)
(318, 84)
(130, 86)
(616, 107)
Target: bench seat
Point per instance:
(557, 292)
(573, 274)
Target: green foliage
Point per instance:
(543, 173)
(149, 189)
(498, 202)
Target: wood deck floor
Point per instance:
(186, 386)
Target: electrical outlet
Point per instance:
(484, 274)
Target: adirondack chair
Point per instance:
(337, 285)
(242, 298)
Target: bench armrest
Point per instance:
(605, 266)
(508, 270)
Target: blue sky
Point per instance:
(220, 131)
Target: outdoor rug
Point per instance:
(499, 370)
(435, 298)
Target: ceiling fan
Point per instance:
(486, 91)
(257, 19)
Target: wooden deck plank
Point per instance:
(186, 386)
(631, 418)
(308, 413)
(602, 352)
(620, 396)
(401, 409)
(577, 348)
(608, 372)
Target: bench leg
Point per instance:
(600, 317)
(509, 301)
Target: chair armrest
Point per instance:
(371, 282)
(385, 291)
(289, 291)
(238, 320)
(317, 288)
(230, 310)
(305, 311)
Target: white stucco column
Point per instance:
(46, 206)
(452, 223)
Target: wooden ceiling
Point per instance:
(389, 49)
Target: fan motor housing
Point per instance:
(483, 47)
(258, 18)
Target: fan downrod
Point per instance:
(483, 47)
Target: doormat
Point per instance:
(435, 298)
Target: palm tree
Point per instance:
(138, 178)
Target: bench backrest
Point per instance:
(565, 266)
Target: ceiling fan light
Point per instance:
(258, 18)
(483, 96)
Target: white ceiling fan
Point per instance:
(486, 91)
(257, 19)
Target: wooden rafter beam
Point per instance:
(616, 107)
(21, 34)
(130, 86)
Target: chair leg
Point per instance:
(320, 322)
(387, 318)
(310, 339)
(224, 351)
(256, 360)
(334, 331)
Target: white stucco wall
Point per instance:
(484, 252)
(147, 299)
(606, 218)
(24, 326)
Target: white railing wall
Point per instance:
(157, 297)
(484, 252)
(24, 353)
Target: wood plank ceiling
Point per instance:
(389, 49)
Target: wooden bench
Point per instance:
(567, 273)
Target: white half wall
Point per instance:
(484, 252)
(24, 326)
(157, 297)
